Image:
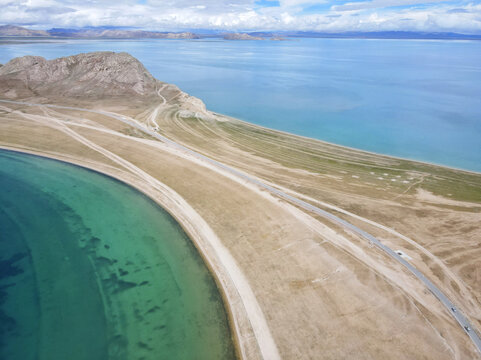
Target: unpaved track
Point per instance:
(451, 308)
(255, 314)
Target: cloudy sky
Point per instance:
(245, 15)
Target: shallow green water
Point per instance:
(92, 269)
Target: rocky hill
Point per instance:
(97, 74)
(241, 36)
(11, 30)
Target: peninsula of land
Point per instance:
(296, 231)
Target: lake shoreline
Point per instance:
(321, 89)
(266, 255)
(125, 154)
(373, 153)
(192, 236)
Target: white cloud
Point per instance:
(374, 15)
(377, 4)
(286, 4)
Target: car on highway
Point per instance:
(467, 328)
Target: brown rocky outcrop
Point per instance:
(96, 74)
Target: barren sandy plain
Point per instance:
(296, 285)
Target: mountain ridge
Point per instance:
(12, 30)
(112, 32)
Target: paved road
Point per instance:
(460, 318)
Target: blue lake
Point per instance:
(408, 98)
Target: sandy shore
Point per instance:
(296, 286)
(230, 280)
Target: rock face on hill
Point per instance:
(97, 74)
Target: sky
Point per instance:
(249, 15)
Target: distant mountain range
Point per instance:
(122, 33)
(10, 30)
(89, 33)
(378, 35)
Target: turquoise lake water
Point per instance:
(91, 269)
(409, 98)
